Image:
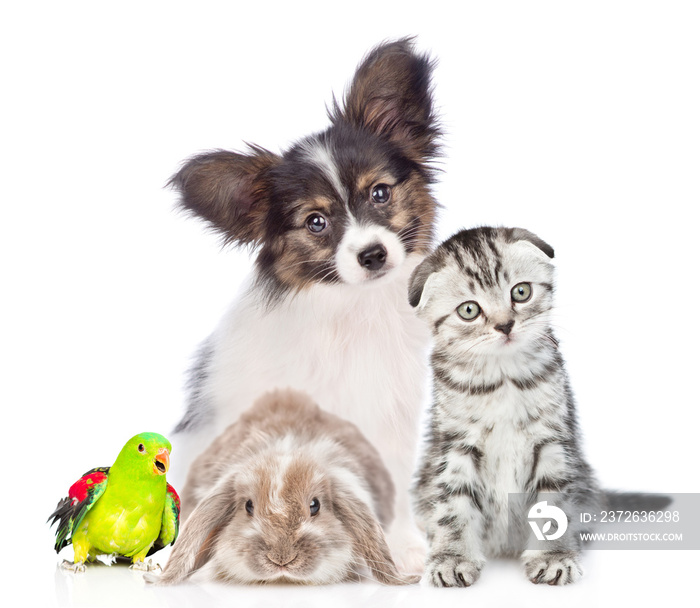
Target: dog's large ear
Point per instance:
(229, 190)
(193, 547)
(391, 96)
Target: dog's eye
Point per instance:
(314, 507)
(316, 223)
(381, 194)
(249, 507)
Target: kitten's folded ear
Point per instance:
(419, 277)
(391, 96)
(229, 190)
(520, 234)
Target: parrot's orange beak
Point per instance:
(162, 462)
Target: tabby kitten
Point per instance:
(503, 417)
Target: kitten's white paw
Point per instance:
(553, 567)
(449, 570)
(408, 548)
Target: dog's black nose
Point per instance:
(505, 327)
(373, 257)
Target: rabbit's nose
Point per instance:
(281, 559)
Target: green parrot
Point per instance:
(127, 509)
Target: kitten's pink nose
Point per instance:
(505, 327)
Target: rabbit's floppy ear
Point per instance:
(192, 547)
(368, 539)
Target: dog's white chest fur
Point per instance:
(359, 352)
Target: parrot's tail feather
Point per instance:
(63, 515)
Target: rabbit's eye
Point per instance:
(249, 507)
(314, 507)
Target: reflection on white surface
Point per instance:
(611, 577)
(119, 586)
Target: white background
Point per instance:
(579, 121)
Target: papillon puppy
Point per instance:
(339, 221)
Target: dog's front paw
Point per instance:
(450, 570)
(553, 567)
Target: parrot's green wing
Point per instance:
(171, 521)
(171, 517)
(82, 495)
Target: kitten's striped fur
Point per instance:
(503, 416)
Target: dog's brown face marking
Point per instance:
(301, 255)
(323, 188)
(414, 217)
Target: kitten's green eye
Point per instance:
(469, 311)
(522, 292)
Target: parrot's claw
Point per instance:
(143, 566)
(79, 567)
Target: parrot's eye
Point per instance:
(142, 448)
(249, 507)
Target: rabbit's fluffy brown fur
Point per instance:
(288, 493)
